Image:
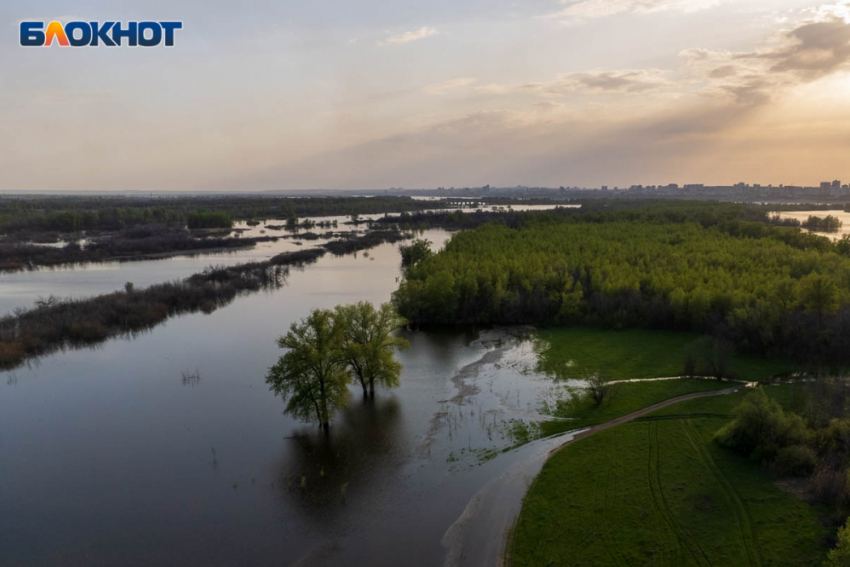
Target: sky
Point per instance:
(359, 94)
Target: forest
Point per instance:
(707, 268)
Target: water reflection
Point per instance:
(321, 470)
(107, 458)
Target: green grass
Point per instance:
(630, 397)
(576, 352)
(660, 492)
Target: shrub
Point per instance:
(209, 220)
(795, 460)
(760, 427)
(840, 555)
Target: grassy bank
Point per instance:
(576, 352)
(580, 411)
(660, 492)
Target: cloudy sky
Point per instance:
(355, 94)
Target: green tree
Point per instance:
(415, 252)
(369, 344)
(313, 374)
(291, 220)
(819, 293)
(839, 556)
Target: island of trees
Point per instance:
(828, 223)
(331, 349)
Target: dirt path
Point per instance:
(642, 412)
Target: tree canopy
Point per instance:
(327, 350)
(369, 345)
(313, 375)
(763, 288)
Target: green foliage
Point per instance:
(415, 252)
(795, 460)
(326, 348)
(819, 293)
(659, 492)
(761, 428)
(313, 375)
(202, 219)
(369, 345)
(752, 283)
(828, 223)
(840, 555)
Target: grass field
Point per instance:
(579, 411)
(576, 352)
(660, 492)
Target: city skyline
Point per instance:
(366, 96)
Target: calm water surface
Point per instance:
(803, 215)
(108, 458)
(23, 289)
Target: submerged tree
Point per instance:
(313, 374)
(415, 252)
(369, 345)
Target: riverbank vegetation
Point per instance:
(415, 252)
(56, 323)
(828, 223)
(137, 243)
(327, 351)
(660, 491)
(204, 219)
(694, 267)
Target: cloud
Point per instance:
(627, 81)
(445, 87)
(636, 81)
(810, 49)
(581, 10)
(408, 36)
(729, 108)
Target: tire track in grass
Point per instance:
(672, 548)
(690, 544)
(745, 523)
(674, 542)
(604, 527)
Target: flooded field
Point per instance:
(168, 449)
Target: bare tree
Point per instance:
(599, 389)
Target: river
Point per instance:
(167, 448)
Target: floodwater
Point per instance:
(803, 215)
(21, 290)
(167, 448)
